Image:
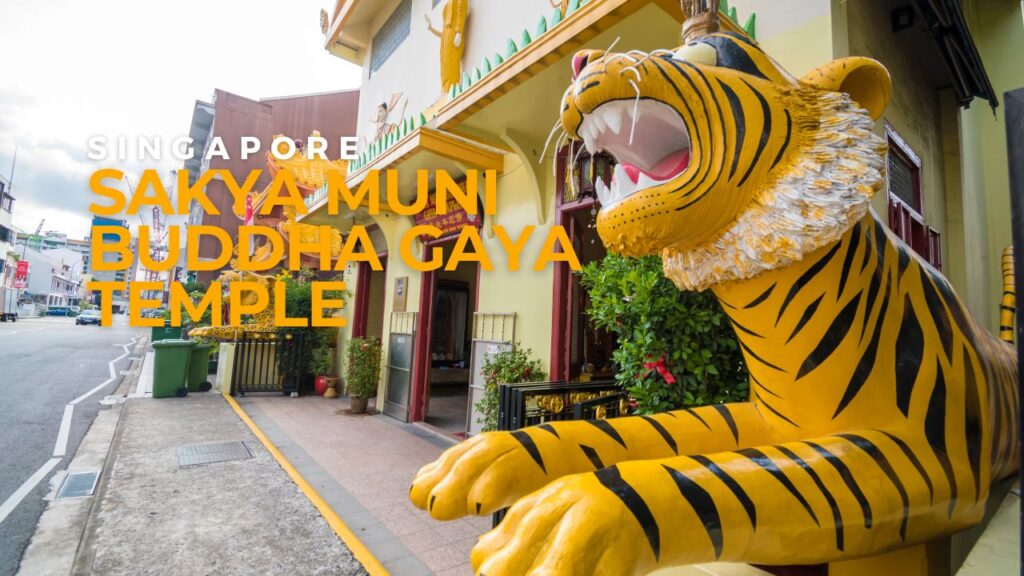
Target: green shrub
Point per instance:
(656, 324)
(362, 372)
(507, 367)
(321, 362)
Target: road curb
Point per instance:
(75, 516)
(370, 563)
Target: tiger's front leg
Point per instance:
(493, 470)
(831, 498)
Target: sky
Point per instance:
(73, 69)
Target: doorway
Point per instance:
(368, 321)
(448, 302)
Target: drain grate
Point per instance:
(199, 454)
(78, 484)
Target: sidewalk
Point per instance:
(155, 516)
(362, 466)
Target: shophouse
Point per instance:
(947, 193)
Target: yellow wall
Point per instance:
(998, 30)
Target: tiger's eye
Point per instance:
(698, 53)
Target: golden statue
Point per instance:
(453, 41)
(880, 412)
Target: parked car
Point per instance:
(58, 311)
(8, 304)
(74, 310)
(88, 317)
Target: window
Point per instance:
(906, 207)
(6, 202)
(391, 35)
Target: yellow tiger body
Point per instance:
(880, 412)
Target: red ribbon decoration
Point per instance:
(663, 370)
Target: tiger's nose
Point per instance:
(581, 59)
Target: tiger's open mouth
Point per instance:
(649, 140)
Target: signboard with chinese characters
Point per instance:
(451, 223)
(21, 274)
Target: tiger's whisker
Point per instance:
(636, 110)
(609, 50)
(631, 69)
(554, 129)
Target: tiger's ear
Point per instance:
(865, 80)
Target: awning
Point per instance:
(944, 21)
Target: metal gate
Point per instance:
(398, 385)
(492, 333)
(266, 362)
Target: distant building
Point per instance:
(8, 254)
(54, 277)
(231, 117)
(120, 301)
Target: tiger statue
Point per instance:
(880, 413)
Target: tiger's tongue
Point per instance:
(670, 167)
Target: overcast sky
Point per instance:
(74, 69)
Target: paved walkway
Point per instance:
(241, 517)
(362, 466)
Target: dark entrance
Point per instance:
(447, 303)
(579, 350)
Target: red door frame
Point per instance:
(362, 304)
(561, 310)
(420, 395)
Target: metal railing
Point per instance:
(266, 362)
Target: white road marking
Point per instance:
(60, 447)
(11, 503)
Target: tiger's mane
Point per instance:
(810, 201)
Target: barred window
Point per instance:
(391, 35)
(906, 208)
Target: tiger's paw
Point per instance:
(476, 477)
(576, 525)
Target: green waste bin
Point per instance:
(170, 368)
(165, 332)
(198, 368)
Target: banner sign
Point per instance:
(21, 274)
(451, 223)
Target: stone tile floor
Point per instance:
(374, 459)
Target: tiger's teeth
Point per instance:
(603, 193)
(646, 181)
(613, 119)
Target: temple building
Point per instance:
(947, 186)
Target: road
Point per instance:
(45, 364)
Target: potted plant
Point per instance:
(362, 371)
(507, 367)
(321, 364)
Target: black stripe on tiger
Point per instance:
(867, 360)
(972, 421)
(703, 504)
(772, 409)
(805, 278)
(531, 448)
(868, 447)
(938, 313)
(663, 432)
(935, 432)
(760, 299)
(909, 453)
(848, 479)
(732, 485)
(727, 416)
(785, 142)
(873, 288)
(697, 416)
(837, 516)
(741, 125)
(954, 306)
(851, 251)
(744, 329)
(769, 466)
(833, 337)
(551, 429)
(607, 428)
(731, 55)
(910, 347)
(611, 479)
(756, 357)
(592, 455)
(808, 314)
(766, 130)
(760, 385)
